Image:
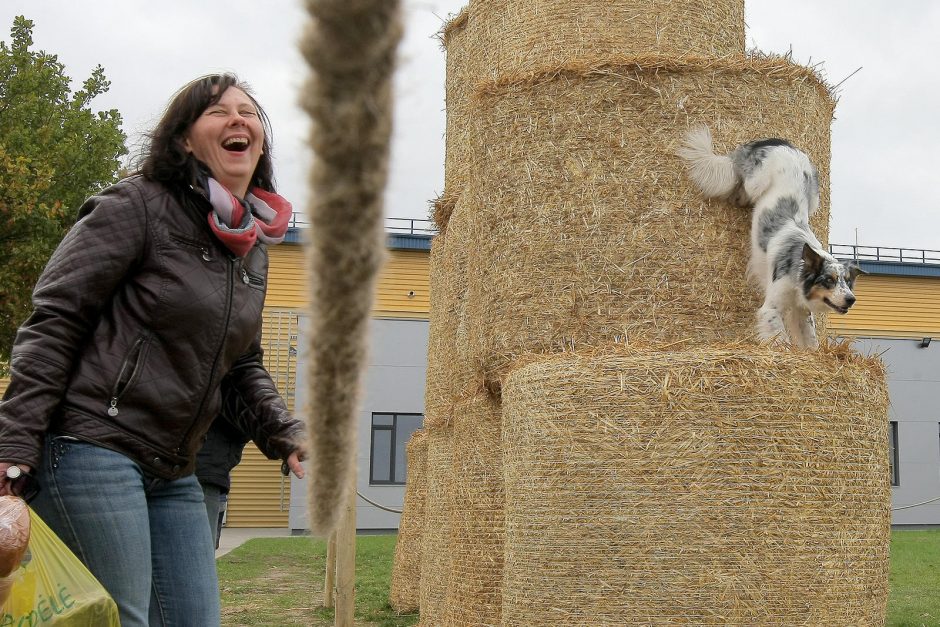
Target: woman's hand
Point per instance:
(294, 462)
(5, 488)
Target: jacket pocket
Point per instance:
(253, 280)
(128, 372)
(203, 249)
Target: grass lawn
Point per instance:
(915, 579)
(279, 582)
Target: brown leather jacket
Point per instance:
(138, 315)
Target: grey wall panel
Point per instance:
(393, 383)
(914, 388)
(905, 359)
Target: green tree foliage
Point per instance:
(54, 152)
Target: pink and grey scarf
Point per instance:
(240, 223)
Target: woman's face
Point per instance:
(228, 137)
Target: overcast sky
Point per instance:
(884, 140)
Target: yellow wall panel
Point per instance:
(260, 495)
(287, 277)
(402, 289)
(891, 306)
(279, 338)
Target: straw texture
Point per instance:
(507, 36)
(589, 230)
(457, 89)
(442, 325)
(404, 593)
(720, 485)
(442, 208)
(451, 374)
(437, 550)
(478, 516)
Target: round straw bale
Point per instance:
(441, 328)
(437, 550)
(478, 519)
(588, 227)
(722, 485)
(523, 35)
(457, 88)
(450, 372)
(404, 591)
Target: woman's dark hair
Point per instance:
(165, 158)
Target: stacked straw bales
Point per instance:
(436, 549)
(457, 98)
(405, 588)
(451, 374)
(478, 514)
(608, 444)
(714, 486)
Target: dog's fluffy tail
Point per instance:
(713, 174)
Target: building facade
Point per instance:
(897, 317)
(393, 395)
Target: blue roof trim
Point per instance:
(895, 268)
(293, 235)
(407, 241)
(394, 241)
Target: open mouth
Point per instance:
(236, 144)
(842, 310)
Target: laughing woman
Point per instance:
(150, 300)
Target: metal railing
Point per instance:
(401, 226)
(410, 226)
(417, 226)
(884, 253)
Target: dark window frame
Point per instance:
(894, 457)
(393, 446)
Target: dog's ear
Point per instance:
(854, 270)
(812, 261)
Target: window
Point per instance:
(893, 452)
(390, 434)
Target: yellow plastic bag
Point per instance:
(52, 587)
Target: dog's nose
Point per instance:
(849, 301)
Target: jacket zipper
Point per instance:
(135, 355)
(230, 275)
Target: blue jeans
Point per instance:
(147, 540)
(213, 497)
